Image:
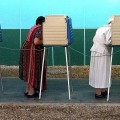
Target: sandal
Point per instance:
(32, 96)
(26, 93)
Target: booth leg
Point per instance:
(109, 83)
(1, 78)
(53, 63)
(42, 73)
(66, 54)
(70, 70)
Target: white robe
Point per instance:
(100, 58)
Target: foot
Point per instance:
(99, 96)
(33, 95)
(26, 93)
(104, 93)
(36, 90)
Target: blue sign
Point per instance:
(69, 30)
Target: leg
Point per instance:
(30, 90)
(100, 93)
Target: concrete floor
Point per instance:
(57, 92)
(55, 103)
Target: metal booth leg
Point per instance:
(41, 80)
(70, 70)
(66, 55)
(109, 83)
(1, 78)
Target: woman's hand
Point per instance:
(37, 41)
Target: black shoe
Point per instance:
(104, 93)
(26, 93)
(36, 90)
(99, 96)
(32, 96)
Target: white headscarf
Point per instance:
(110, 20)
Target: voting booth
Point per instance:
(115, 40)
(115, 30)
(57, 31)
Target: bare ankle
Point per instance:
(103, 90)
(98, 91)
(31, 90)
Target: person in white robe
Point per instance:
(100, 61)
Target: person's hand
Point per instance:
(37, 41)
(109, 45)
